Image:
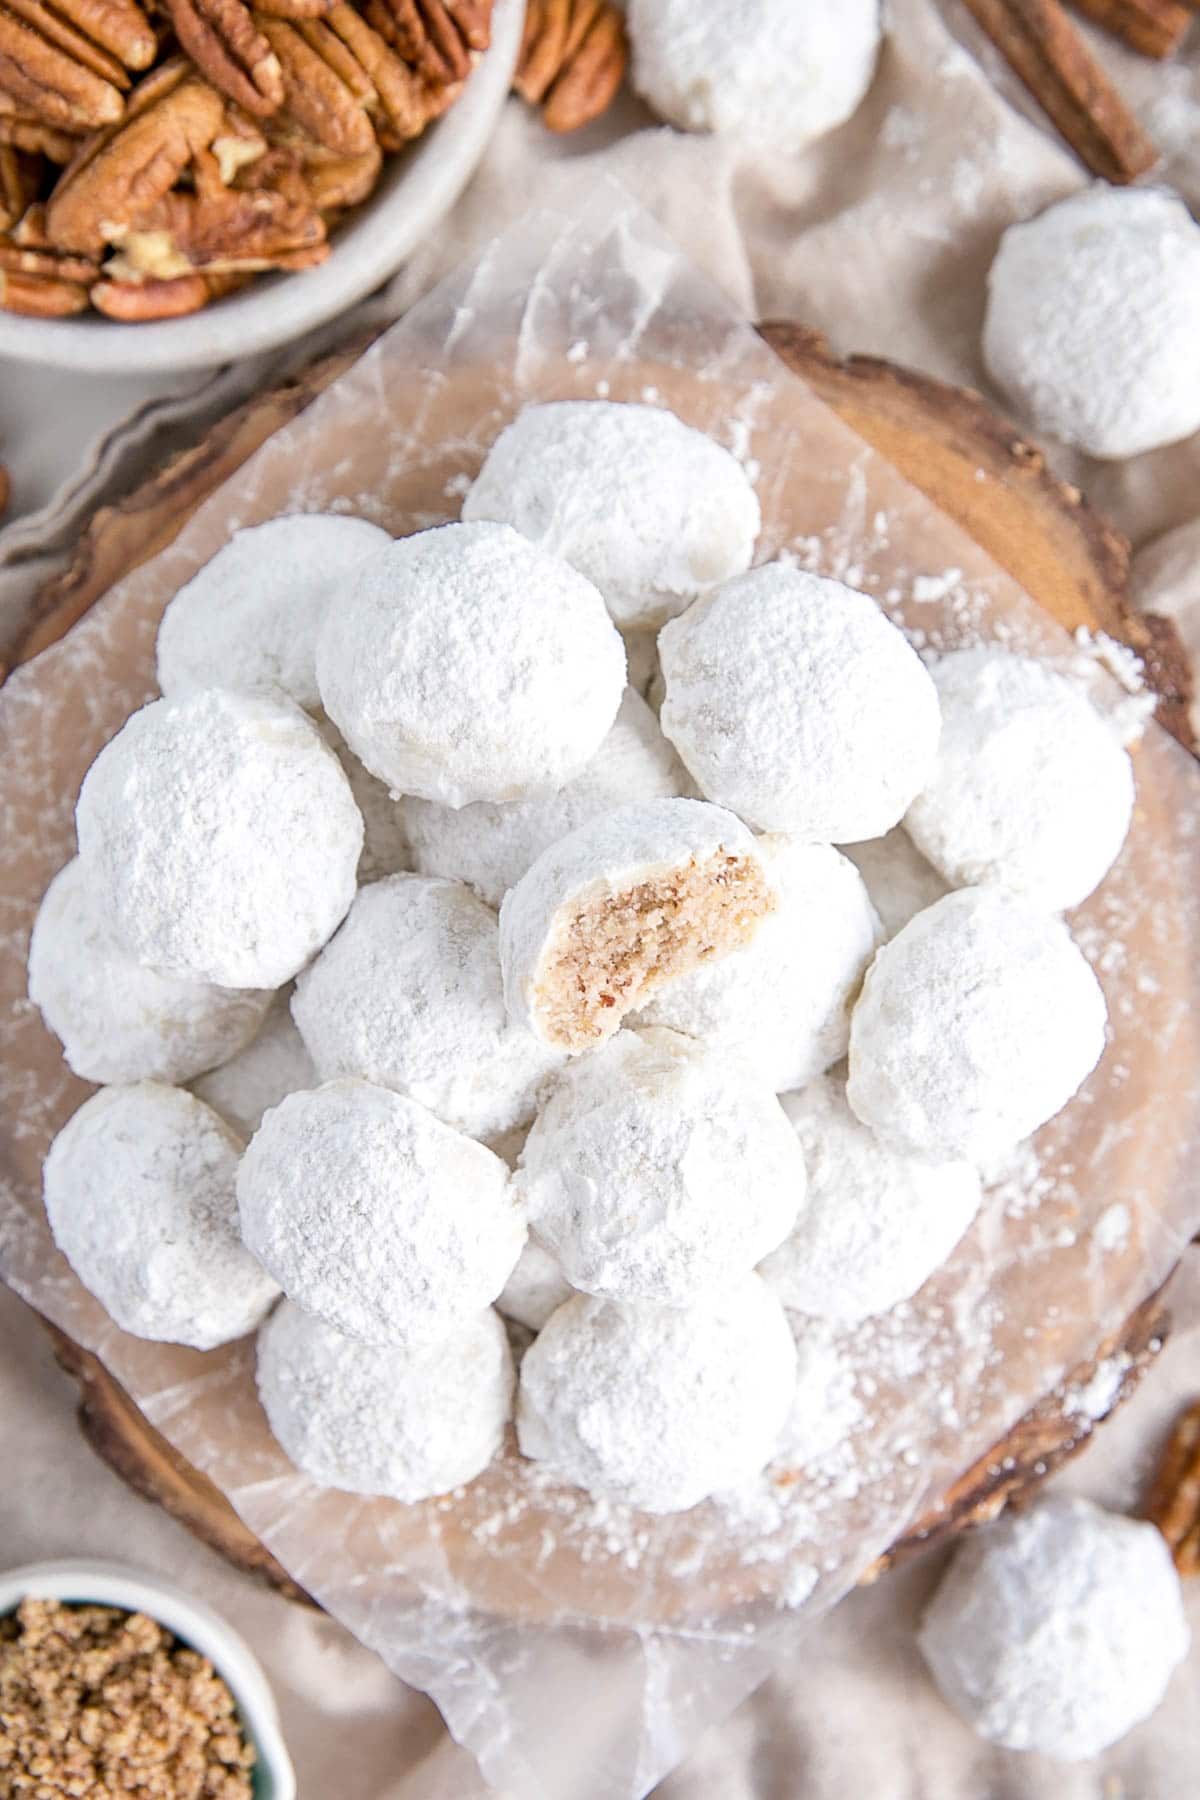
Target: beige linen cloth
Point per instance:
(881, 235)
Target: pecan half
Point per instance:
(401, 97)
(296, 9)
(572, 60)
(1173, 1503)
(227, 46)
(336, 182)
(38, 280)
(135, 302)
(35, 138)
(317, 96)
(45, 76)
(270, 222)
(172, 115)
(436, 38)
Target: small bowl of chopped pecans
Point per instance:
(106, 1672)
(188, 182)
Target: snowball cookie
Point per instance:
(249, 619)
(117, 1021)
(275, 1065)
(658, 1406)
(977, 1023)
(375, 1216)
(783, 1003)
(774, 73)
(490, 846)
(220, 838)
(469, 664)
(660, 1170)
(536, 1288)
(649, 510)
(374, 1420)
(1031, 789)
(1091, 320)
(1057, 1629)
(794, 702)
(632, 899)
(139, 1189)
(898, 879)
(408, 995)
(874, 1224)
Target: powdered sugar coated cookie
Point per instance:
(249, 619)
(1091, 320)
(783, 1002)
(1030, 790)
(794, 702)
(658, 1406)
(139, 1189)
(874, 1223)
(649, 510)
(1058, 1628)
(632, 899)
(769, 72)
(977, 1023)
(375, 1216)
(408, 995)
(117, 1021)
(275, 1065)
(220, 838)
(536, 1288)
(373, 1420)
(469, 664)
(660, 1170)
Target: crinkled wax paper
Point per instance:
(577, 1648)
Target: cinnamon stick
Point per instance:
(1041, 46)
(1151, 27)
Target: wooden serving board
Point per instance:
(979, 470)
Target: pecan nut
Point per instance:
(1173, 1503)
(572, 60)
(172, 115)
(19, 181)
(59, 78)
(336, 182)
(227, 46)
(437, 38)
(318, 98)
(135, 302)
(37, 279)
(268, 222)
(36, 138)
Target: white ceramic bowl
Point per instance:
(80, 1580)
(416, 190)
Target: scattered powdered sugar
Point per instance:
(652, 512)
(713, 65)
(630, 1167)
(783, 1002)
(408, 994)
(535, 1289)
(372, 1420)
(470, 664)
(1098, 1395)
(976, 1024)
(658, 1406)
(1030, 789)
(249, 619)
(1090, 325)
(1057, 1629)
(795, 702)
(116, 1020)
(375, 1216)
(275, 1065)
(899, 882)
(1111, 1230)
(490, 845)
(220, 838)
(139, 1188)
(874, 1224)
(826, 1407)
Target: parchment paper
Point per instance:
(534, 1616)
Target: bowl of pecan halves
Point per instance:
(183, 182)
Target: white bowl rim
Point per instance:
(275, 309)
(81, 1580)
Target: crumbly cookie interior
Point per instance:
(617, 949)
